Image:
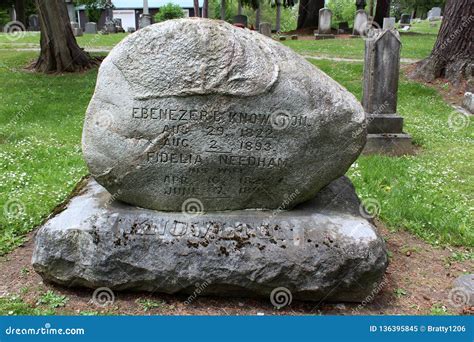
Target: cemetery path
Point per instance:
(418, 281)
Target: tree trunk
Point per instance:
(59, 49)
(222, 9)
(308, 13)
(371, 8)
(452, 53)
(239, 7)
(205, 8)
(278, 16)
(20, 11)
(382, 10)
(257, 17)
(196, 8)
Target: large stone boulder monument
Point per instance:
(217, 157)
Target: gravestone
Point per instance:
(360, 23)
(74, 25)
(405, 20)
(468, 102)
(91, 28)
(110, 25)
(240, 20)
(380, 95)
(222, 164)
(325, 21)
(118, 25)
(266, 29)
(33, 23)
(77, 31)
(389, 23)
(434, 14)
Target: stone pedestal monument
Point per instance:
(380, 94)
(324, 26)
(223, 165)
(145, 17)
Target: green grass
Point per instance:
(14, 305)
(31, 39)
(416, 44)
(52, 300)
(40, 133)
(430, 194)
(413, 47)
(41, 119)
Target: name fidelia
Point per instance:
(230, 160)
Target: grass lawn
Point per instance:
(430, 194)
(40, 158)
(416, 44)
(31, 39)
(41, 120)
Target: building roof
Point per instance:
(138, 4)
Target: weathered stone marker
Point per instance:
(240, 20)
(360, 23)
(176, 136)
(324, 26)
(266, 29)
(380, 94)
(434, 14)
(195, 120)
(33, 23)
(91, 28)
(405, 20)
(77, 31)
(389, 23)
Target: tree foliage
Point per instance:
(94, 8)
(342, 10)
(169, 11)
(419, 7)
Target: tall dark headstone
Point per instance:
(380, 95)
